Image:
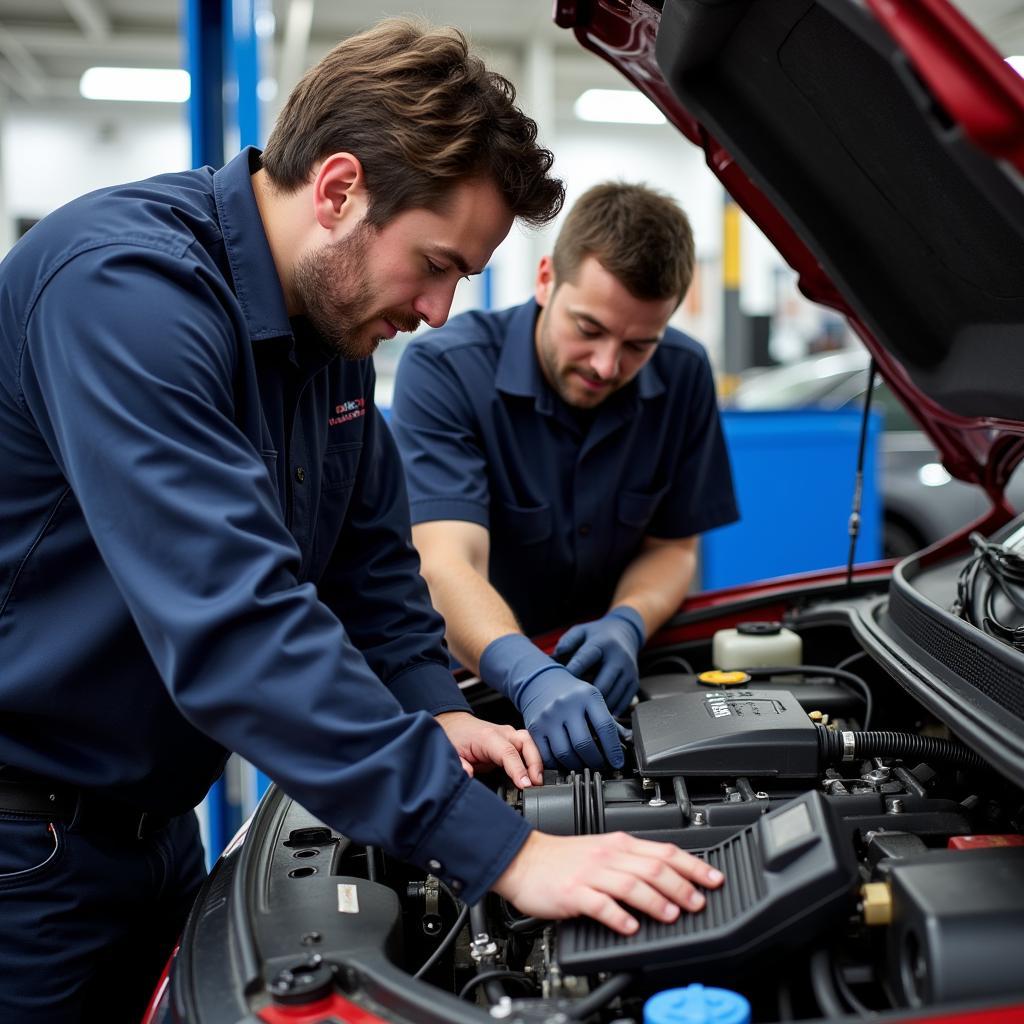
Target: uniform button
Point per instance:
(434, 865)
(456, 886)
(300, 474)
(584, 530)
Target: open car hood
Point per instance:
(879, 144)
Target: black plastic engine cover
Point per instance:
(958, 925)
(785, 877)
(726, 732)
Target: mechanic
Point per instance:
(205, 541)
(562, 456)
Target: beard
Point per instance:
(561, 377)
(336, 290)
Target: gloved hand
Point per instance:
(563, 713)
(612, 643)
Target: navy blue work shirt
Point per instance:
(204, 541)
(567, 499)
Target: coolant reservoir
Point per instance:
(756, 644)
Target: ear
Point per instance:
(339, 193)
(545, 283)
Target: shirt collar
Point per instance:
(519, 372)
(257, 286)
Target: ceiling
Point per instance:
(45, 45)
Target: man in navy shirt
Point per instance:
(205, 542)
(562, 458)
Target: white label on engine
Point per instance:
(717, 706)
(348, 899)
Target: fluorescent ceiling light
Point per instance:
(146, 85)
(619, 106)
(1017, 63)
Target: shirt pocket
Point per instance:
(341, 465)
(527, 525)
(636, 508)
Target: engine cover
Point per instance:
(726, 732)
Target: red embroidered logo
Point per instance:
(350, 410)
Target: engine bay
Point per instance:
(873, 862)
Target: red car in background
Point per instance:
(865, 798)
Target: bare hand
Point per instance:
(484, 745)
(564, 876)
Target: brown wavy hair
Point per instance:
(639, 235)
(421, 113)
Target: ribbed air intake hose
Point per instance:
(837, 746)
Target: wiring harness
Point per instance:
(993, 571)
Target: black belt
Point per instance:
(87, 811)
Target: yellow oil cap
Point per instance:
(716, 677)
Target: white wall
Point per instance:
(49, 157)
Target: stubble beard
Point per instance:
(334, 285)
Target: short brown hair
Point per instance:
(422, 114)
(639, 235)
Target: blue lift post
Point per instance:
(223, 63)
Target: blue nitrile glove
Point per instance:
(611, 643)
(563, 713)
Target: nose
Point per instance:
(434, 304)
(604, 360)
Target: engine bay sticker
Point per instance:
(348, 899)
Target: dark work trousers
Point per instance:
(87, 921)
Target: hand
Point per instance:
(556, 877)
(484, 745)
(563, 713)
(612, 643)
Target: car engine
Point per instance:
(873, 862)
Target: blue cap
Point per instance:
(696, 1004)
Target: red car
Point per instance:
(864, 797)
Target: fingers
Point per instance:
(531, 756)
(584, 659)
(466, 766)
(570, 640)
(603, 726)
(563, 876)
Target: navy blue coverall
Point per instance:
(204, 548)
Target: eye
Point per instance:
(434, 269)
(586, 331)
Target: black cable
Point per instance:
(822, 670)
(823, 985)
(600, 997)
(858, 489)
(994, 571)
(526, 924)
(846, 991)
(486, 976)
(832, 746)
(851, 659)
(668, 659)
(444, 943)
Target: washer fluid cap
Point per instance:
(696, 1004)
(716, 677)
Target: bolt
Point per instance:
(895, 807)
(698, 817)
(311, 938)
(656, 802)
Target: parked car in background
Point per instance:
(922, 502)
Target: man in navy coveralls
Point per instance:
(562, 457)
(205, 535)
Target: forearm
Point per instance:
(474, 612)
(655, 583)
